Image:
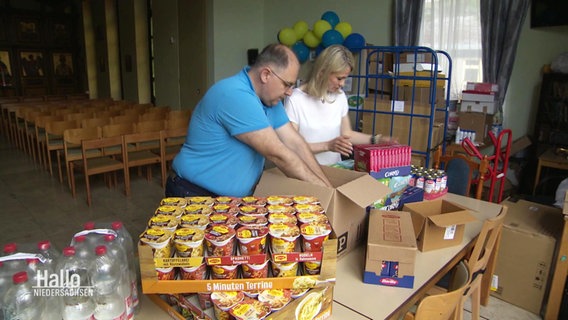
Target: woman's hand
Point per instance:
(341, 144)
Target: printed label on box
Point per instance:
(450, 232)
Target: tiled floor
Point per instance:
(35, 206)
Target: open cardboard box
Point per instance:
(345, 204)
(438, 223)
(391, 239)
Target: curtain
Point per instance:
(501, 22)
(454, 27)
(407, 19)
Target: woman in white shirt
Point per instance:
(318, 109)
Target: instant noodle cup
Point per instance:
(310, 306)
(159, 240)
(312, 217)
(282, 217)
(225, 208)
(253, 201)
(204, 299)
(194, 273)
(192, 220)
(252, 293)
(305, 200)
(219, 240)
(163, 221)
(307, 207)
(252, 221)
(252, 240)
(166, 273)
(312, 267)
(253, 211)
(232, 201)
(224, 271)
(279, 200)
(200, 200)
(272, 208)
(284, 269)
(276, 298)
(249, 309)
(223, 301)
(173, 201)
(224, 218)
(169, 211)
(283, 237)
(298, 292)
(314, 235)
(198, 209)
(251, 270)
(189, 242)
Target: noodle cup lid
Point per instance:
(284, 230)
(213, 233)
(226, 299)
(251, 232)
(192, 219)
(189, 235)
(223, 218)
(285, 265)
(252, 220)
(307, 207)
(228, 200)
(279, 200)
(276, 298)
(173, 201)
(298, 292)
(308, 216)
(251, 293)
(156, 238)
(163, 221)
(280, 208)
(282, 217)
(250, 308)
(225, 208)
(305, 200)
(315, 229)
(256, 266)
(198, 209)
(169, 210)
(253, 201)
(200, 200)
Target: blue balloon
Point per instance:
(331, 37)
(354, 42)
(319, 49)
(302, 51)
(330, 17)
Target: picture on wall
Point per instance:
(28, 30)
(63, 64)
(5, 69)
(32, 64)
(60, 31)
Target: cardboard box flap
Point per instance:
(452, 218)
(364, 191)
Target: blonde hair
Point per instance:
(333, 59)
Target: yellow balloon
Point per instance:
(344, 28)
(300, 28)
(320, 27)
(287, 36)
(311, 40)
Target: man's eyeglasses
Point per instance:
(287, 84)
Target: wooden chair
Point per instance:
(148, 126)
(141, 157)
(95, 122)
(29, 132)
(150, 116)
(132, 112)
(54, 142)
(93, 162)
(171, 141)
(116, 130)
(78, 116)
(176, 114)
(72, 139)
(444, 306)
(462, 172)
(39, 130)
(131, 119)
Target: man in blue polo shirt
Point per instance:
(238, 124)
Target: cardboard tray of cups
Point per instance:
(152, 284)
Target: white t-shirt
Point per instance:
(318, 121)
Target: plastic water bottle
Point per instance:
(82, 248)
(79, 306)
(105, 276)
(5, 284)
(15, 265)
(116, 252)
(20, 303)
(38, 277)
(127, 243)
(49, 253)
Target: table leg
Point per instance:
(558, 277)
(537, 178)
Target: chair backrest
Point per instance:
(133, 118)
(149, 116)
(113, 130)
(149, 126)
(175, 114)
(74, 137)
(95, 122)
(176, 123)
(462, 171)
(443, 306)
(57, 127)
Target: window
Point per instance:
(454, 26)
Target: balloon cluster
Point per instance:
(324, 33)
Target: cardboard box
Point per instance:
(420, 79)
(396, 200)
(482, 87)
(345, 204)
(379, 79)
(476, 121)
(438, 223)
(419, 57)
(476, 96)
(478, 106)
(189, 304)
(526, 253)
(391, 249)
(419, 95)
